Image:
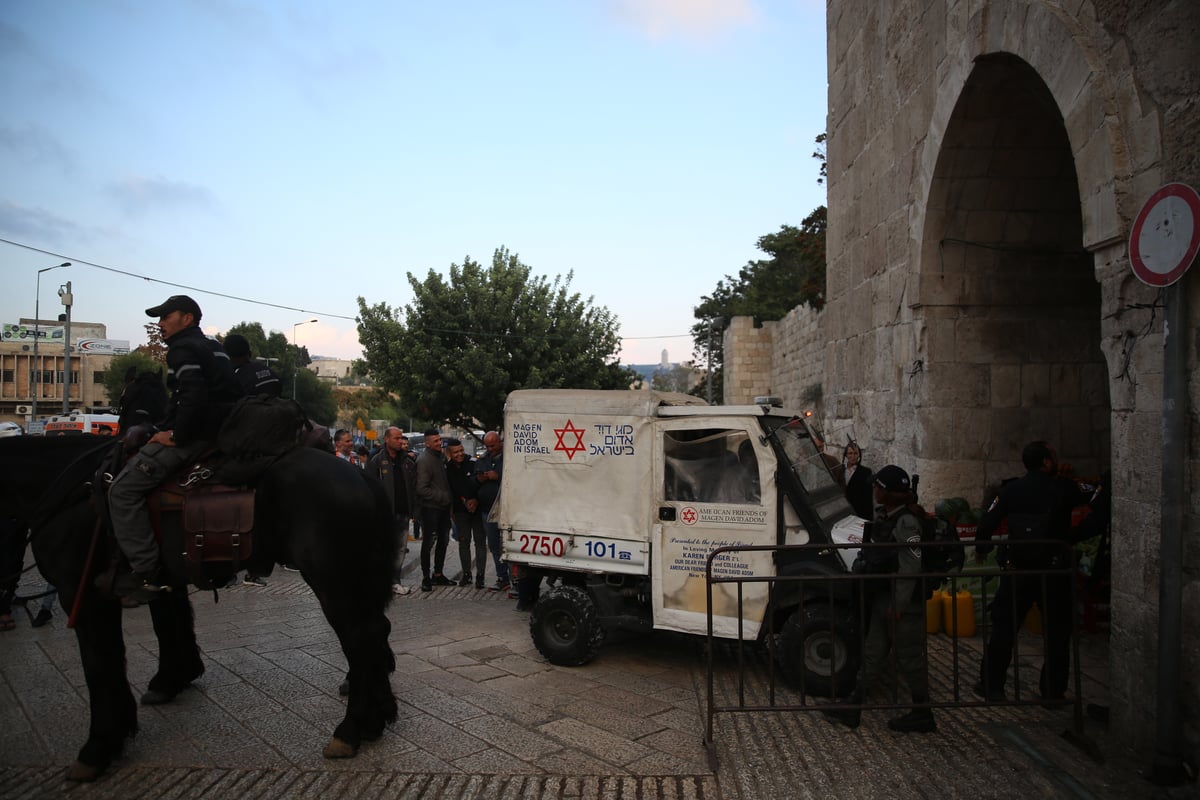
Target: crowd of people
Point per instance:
(443, 494)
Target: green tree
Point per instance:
(154, 347)
(314, 395)
(766, 289)
(114, 376)
(463, 344)
(675, 379)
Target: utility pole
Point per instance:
(67, 300)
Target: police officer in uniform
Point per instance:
(1037, 506)
(203, 391)
(895, 605)
(254, 378)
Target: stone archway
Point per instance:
(1008, 303)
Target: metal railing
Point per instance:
(844, 594)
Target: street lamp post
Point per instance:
(711, 321)
(296, 366)
(34, 389)
(68, 299)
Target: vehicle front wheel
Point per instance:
(818, 649)
(565, 626)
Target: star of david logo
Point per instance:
(689, 516)
(570, 449)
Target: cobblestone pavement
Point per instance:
(483, 715)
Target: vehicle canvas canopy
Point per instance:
(597, 450)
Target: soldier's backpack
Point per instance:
(945, 553)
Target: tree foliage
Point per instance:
(114, 376)
(766, 289)
(463, 344)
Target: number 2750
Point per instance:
(543, 545)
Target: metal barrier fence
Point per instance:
(839, 589)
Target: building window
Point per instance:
(6, 376)
(98, 378)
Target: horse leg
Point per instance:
(363, 632)
(113, 711)
(179, 661)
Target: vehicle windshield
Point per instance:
(811, 468)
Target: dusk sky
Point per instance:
(301, 154)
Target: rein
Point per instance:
(87, 570)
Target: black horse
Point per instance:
(312, 510)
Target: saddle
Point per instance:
(203, 515)
(205, 530)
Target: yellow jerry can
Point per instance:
(966, 613)
(933, 612)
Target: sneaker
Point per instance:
(919, 720)
(43, 616)
(526, 605)
(254, 580)
(441, 580)
(465, 580)
(479, 582)
(400, 589)
(427, 585)
(290, 568)
(500, 585)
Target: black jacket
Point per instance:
(258, 379)
(463, 486)
(1038, 506)
(202, 384)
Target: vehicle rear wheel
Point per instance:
(818, 649)
(565, 626)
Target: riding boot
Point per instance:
(142, 587)
(850, 717)
(919, 720)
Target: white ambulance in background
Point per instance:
(66, 424)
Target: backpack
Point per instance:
(946, 554)
(258, 431)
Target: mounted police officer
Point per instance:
(254, 378)
(1037, 506)
(203, 391)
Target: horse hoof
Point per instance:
(79, 772)
(339, 749)
(156, 697)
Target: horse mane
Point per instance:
(144, 398)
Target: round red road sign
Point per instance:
(1166, 235)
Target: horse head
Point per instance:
(144, 399)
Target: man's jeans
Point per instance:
(470, 528)
(435, 524)
(493, 541)
(127, 500)
(400, 532)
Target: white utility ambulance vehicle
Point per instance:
(622, 495)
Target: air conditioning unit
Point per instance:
(24, 410)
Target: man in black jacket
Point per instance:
(397, 470)
(203, 391)
(1036, 506)
(254, 378)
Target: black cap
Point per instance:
(236, 346)
(176, 302)
(892, 479)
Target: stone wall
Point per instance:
(782, 358)
(978, 287)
